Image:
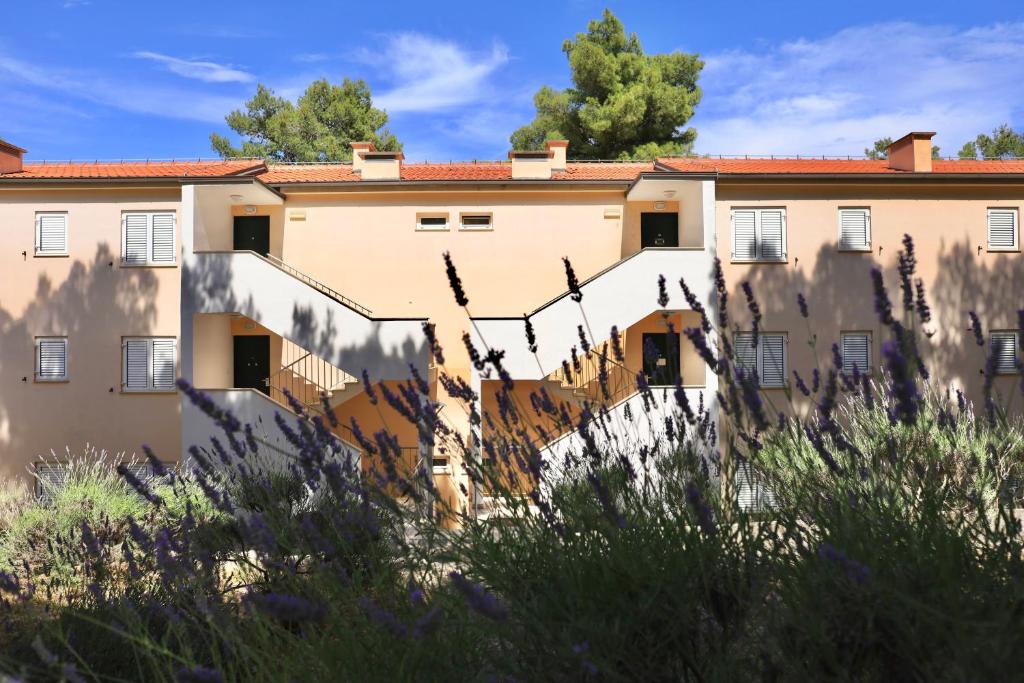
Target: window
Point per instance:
(768, 358)
(432, 221)
(1002, 229)
(147, 239)
(855, 229)
(856, 350)
(148, 363)
(476, 221)
(51, 234)
(759, 234)
(1004, 347)
(51, 359)
(52, 477)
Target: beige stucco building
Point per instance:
(248, 279)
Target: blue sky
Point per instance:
(89, 79)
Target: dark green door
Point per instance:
(659, 229)
(252, 362)
(661, 358)
(252, 233)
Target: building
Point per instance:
(250, 279)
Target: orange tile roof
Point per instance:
(831, 166)
(107, 170)
(455, 171)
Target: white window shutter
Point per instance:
(746, 353)
(50, 479)
(136, 238)
(1004, 347)
(856, 348)
(52, 233)
(772, 242)
(136, 364)
(854, 229)
(773, 360)
(52, 359)
(1002, 228)
(163, 238)
(744, 234)
(163, 364)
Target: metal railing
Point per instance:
(316, 284)
(305, 376)
(584, 377)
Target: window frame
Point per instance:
(871, 350)
(839, 227)
(150, 387)
(758, 241)
(1016, 335)
(39, 238)
(476, 214)
(39, 359)
(759, 361)
(1016, 228)
(149, 262)
(420, 227)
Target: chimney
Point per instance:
(912, 152)
(531, 164)
(558, 149)
(373, 165)
(10, 158)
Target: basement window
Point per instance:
(432, 221)
(477, 221)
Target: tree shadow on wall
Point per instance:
(93, 307)
(840, 297)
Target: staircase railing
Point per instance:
(305, 376)
(584, 376)
(316, 284)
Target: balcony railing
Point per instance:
(316, 284)
(305, 376)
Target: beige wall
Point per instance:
(94, 301)
(948, 225)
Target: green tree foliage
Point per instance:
(880, 150)
(1004, 143)
(320, 127)
(623, 104)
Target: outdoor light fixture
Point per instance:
(249, 208)
(236, 198)
(659, 205)
(669, 194)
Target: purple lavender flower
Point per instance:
(979, 338)
(800, 384)
(9, 582)
(478, 598)
(815, 380)
(198, 674)
(430, 332)
(141, 487)
(662, 292)
(701, 509)
(584, 343)
(383, 618)
(531, 336)
(722, 302)
(455, 281)
(700, 342)
(857, 572)
(605, 499)
(617, 351)
(883, 307)
(802, 303)
(902, 387)
(288, 608)
(921, 303)
(575, 293)
(837, 358)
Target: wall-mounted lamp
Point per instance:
(237, 198)
(659, 205)
(249, 208)
(669, 194)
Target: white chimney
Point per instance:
(11, 158)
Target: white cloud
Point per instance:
(837, 94)
(210, 72)
(131, 95)
(429, 74)
(310, 57)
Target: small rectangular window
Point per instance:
(51, 359)
(1002, 230)
(476, 221)
(855, 229)
(759, 234)
(148, 239)
(51, 234)
(434, 221)
(1005, 349)
(53, 477)
(768, 358)
(856, 352)
(149, 363)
